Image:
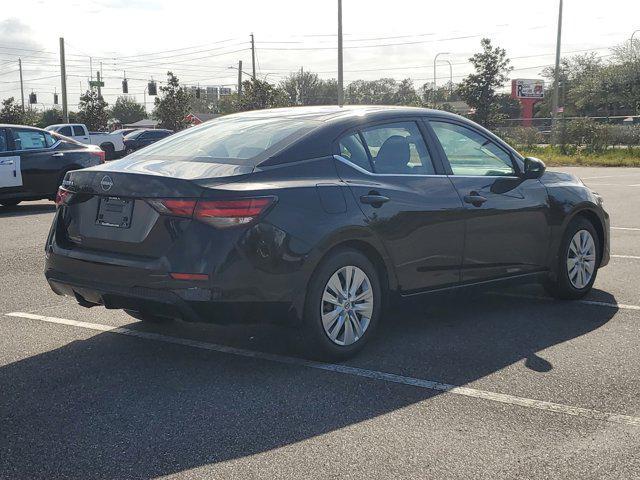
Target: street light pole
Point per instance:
(435, 59)
(556, 87)
(633, 50)
(340, 76)
(450, 77)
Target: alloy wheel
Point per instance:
(347, 305)
(581, 259)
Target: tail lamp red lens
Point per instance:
(220, 213)
(62, 196)
(190, 276)
(100, 154)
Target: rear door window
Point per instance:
(352, 148)
(29, 139)
(78, 131)
(398, 148)
(66, 131)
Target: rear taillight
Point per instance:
(100, 154)
(62, 196)
(219, 213)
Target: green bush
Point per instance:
(587, 133)
(521, 137)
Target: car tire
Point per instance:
(580, 247)
(353, 322)
(9, 203)
(148, 317)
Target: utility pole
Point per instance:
(90, 69)
(21, 84)
(253, 56)
(340, 77)
(556, 88)
(98, 78)
(301, 99)
(239, 78)
(63, 81)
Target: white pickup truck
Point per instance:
(111, 143)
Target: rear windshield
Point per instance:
(232, 139)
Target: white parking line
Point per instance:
(586, 302)
(633, 257)
(626, 228)
(354, 371)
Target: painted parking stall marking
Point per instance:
(626, 228)
(353, 371)
(597, 303)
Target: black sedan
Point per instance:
(142, 138)
(33, 162)
(317, 217)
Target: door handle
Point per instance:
(6, 162)
(475, 199)
(59, 154)
(374, 199)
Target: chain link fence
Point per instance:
(591, 134)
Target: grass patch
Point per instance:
(613, 157)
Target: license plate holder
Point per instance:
(115, 212)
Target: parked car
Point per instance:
(33, 162)
(124, 131)
(316, 217)
(111, 143)
(143, 137)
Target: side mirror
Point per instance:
(533, 168)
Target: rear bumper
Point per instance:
(192, 304)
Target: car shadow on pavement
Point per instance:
(25, 209)
(113, 406)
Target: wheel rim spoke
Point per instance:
(347, 305)
(356, 324)
(329, 319)
(581, 259)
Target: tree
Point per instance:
(50, 116)
(307, 88)
(172, 107)
(92, 111)
(406, 94)
(478, 89)
(259, 94)
(127, 110)
(11, 112)
(371, 92)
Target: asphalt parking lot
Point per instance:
(499, 384)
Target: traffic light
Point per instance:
(55, 99)
(125, 86)
(33, 99)
(151, 88)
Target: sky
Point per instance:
(200, 40)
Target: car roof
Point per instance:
(327, 113)
(12, 125)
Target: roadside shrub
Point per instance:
(585, 132)
(628, 135)
(521, 137)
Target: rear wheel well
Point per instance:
(372, 254)
(594, 220)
